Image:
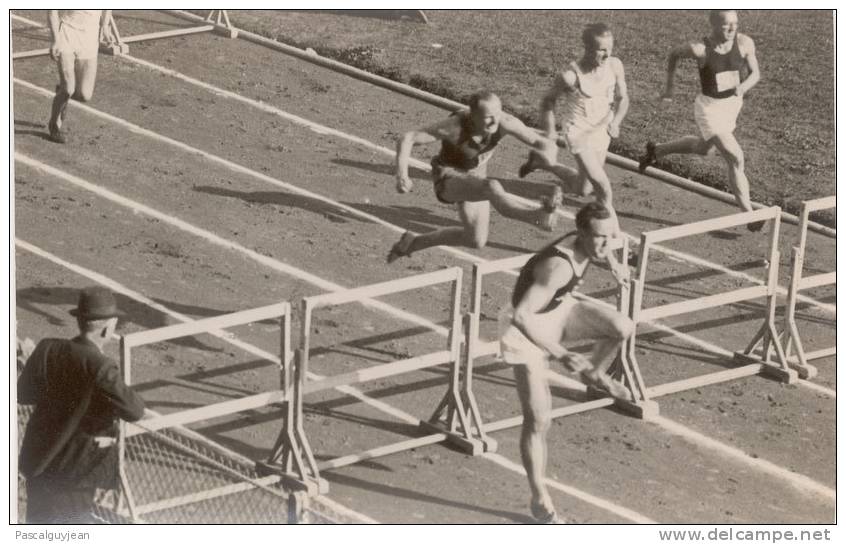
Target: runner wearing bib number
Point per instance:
(724, 57)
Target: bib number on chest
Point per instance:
(727, 81)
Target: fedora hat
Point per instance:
(96, 303)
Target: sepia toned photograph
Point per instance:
(424, 266)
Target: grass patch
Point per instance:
(786, 127)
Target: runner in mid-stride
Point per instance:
(542, 317)
(468, 138)
(722, 56)
(596, 100)
(75, 41)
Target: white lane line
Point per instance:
(181, 224)
(270, 262)
(401, 415)
(324, 130)
(349, 209)
(799, 481)
(569, 490)
(138, 297)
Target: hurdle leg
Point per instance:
(470, 339)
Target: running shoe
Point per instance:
(404, 186)
(648, 159)
(401, 248)
(756, 226)
(57, 135)
(544, 515)
(529, 166)
(606, 384)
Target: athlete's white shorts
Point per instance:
(518, 350)
(82, 44)
(716, 115)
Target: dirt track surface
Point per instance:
(244, 242)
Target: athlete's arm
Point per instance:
(427, 135)
(53, 23)
(549, 275)
(106, 36)
(747, 49)
(564, 83)
(621, 98)
(684, 51)
(546, 148)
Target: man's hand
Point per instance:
(739, 91)
(613, 130)
(404, 184)
(575, 362)
(620, 271)
(107, 37)
(54, 50)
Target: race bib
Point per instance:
(727, 81)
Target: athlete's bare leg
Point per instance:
(536, 403)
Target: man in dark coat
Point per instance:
(69, 446)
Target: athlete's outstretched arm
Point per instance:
(564, 83)
(621, 98)
(53, 23)
(747, 49)
(545, 147)
(684, 51)
(426, 135)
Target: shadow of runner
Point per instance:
(287, 200)
(343, 479)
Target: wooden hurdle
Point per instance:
(451, 420)
(799, 282)
(767, 333)
(476, 347)
(214, 326)
(217, 21)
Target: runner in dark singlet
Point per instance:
(459, 172)
(723, 56)
(544, 316)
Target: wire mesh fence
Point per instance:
(179, 477)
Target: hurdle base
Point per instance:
(644, 409)
(805, 372)
(291, 482)
(770, 370)
(115, 49)
(471, 446)
(225, 31)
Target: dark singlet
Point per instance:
(720, 74)
(467, 153)
(526, 277)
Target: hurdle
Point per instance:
(216, 21)
(767, 333)
(799, 282)
(168, 429)
(450, 420)
(476, 347)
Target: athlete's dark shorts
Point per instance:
(442, 172)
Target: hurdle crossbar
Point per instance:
(454, 429)
(217, 19)
(215, 326)
(766, 333)
(800, 282)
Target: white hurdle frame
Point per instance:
(213, 325)
(217, 22)
(476, 347)
(450, 420)
(767, 333)
(799, 282)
